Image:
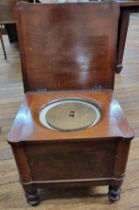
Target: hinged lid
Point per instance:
(69, 46)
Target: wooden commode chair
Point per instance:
(69, 130)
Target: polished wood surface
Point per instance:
(123, 29)
(127, 92)
(126, 7)
(50, 157)
(27, 126)
(66, 45)
(77, 158)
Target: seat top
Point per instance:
(27, 127)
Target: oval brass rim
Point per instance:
(47, 107)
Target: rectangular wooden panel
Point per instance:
(58, 161)
(68, 46)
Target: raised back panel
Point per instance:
(68, 46)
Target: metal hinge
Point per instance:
(97, 87)
(42, 90)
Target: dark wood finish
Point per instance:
(34, 101)
(22, 163)
(114, 193)
(123, 27)
(125, 9)
(31, 194)
(73, 53)
(80, 55)
(70, 158)
(84, 160)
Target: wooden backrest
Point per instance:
(68, 46)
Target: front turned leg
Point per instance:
(31, 195)
(114, 193)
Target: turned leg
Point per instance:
(31, 195)
(114, 193)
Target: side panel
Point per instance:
(67, 161)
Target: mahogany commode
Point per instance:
(74, 73)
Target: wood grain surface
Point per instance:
(27, 127)
(127, 92)
(68, 54)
